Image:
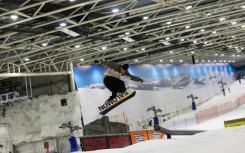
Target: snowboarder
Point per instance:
(112, 77)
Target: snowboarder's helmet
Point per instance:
(125, 67)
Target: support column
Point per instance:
(71, 76)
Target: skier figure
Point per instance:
(112, 77)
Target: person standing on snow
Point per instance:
(112, 77)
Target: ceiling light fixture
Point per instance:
(188, 7)
(171, 60)
(202, 30)
(44, 44)
(160, 60)
(127, 33)
(77, 46)
(62, 24)
(182, 39)
(125, 49)
(143, 49)
(234, 22)
(104, 48)
(115, 10)
(208, 13)
(169, 22)
(145, 17)
(222, 19)
(136, 60)
(26, 59)
(14, 17)
(214, 32)
(187, 27)
(81, 59)
(167, 38)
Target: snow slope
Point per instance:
(217, 139)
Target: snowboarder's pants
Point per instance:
(115, 85)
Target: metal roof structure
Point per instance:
(45, 35)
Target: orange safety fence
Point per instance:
(212, 112)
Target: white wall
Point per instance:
(5, 140)
(40, 118)
(38, 147)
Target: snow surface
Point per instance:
(220, 141)
(216, 139)
(187, 119)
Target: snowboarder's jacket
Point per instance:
(115, 69)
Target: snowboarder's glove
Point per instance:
(96, 61)
(140, 80)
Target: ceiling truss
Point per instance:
(215, 33)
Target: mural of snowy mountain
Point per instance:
(175, 82)
(163, 85)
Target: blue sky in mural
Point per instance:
(86, 75)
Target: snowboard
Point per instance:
(122, 97)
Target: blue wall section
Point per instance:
(86, 75)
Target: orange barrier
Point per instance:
(210, 113)
(154, 135)
(145, 135)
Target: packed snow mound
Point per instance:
(218, 141)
